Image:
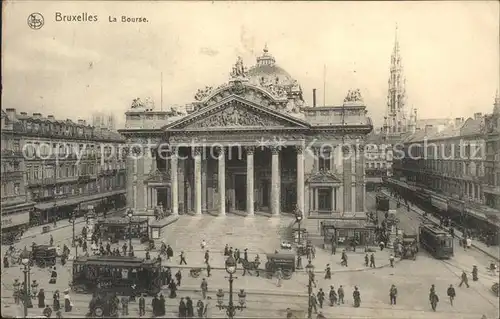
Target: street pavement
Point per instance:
(262, 235)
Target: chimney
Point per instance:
(37, 115)
(50, 117)
(11, 113)
(428, 128)
(458, 121)
(24, 113)
(314, 97)
(478, 115)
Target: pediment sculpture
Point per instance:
(158, 176)
(234, 116)
(323, 177)
(353, 96)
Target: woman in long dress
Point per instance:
(41, 299)
(68, 305)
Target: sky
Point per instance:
(450, 52)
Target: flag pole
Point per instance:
(324, 85)
(161, 91)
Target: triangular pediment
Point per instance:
(236, 112)
(323, 177)
(158, 176)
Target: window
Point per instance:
(324, 199)
(324, 161)
(17, 188)
(36, 172)
(16, 166)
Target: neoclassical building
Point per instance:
(249, 145)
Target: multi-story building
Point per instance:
(444, 170)
(491, 186)
(68, 165)
(15, 205)
(378, 160)
(249, 145)
(103, 120)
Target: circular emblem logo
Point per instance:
(98, 312)
(35, 21)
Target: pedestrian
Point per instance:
(321, 297)
(203, 244)
(170, 252)
(314, 303)
(279, 277)
(207, 257)
(34, 289)
(469, 242)
(51, 240)
(226, 250)
(245, 254)
(328, 272)
(312, 278)
(391, 260)
(124, 306)
(474, 273)
(173, 289)
(148, 255)
(56, 305)
(162, 308)
(451, 294)
(41, 299)
(178, 277)
(142, 306)
(204, 288)
(68, 305)
(155, 304)
(17, 291)
(372, 261)
(208, 269)
(434, 299)
(47, 312)
(366, 260)
(207, 310)
(393, 293)
(464, 280)
(332, 296)
(182, 258)
(340, 293)
(381, 245)
(356, 295)
(133, 292)
(189, 308)
(199, 308)
(343, 260)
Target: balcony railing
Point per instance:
(12, 175)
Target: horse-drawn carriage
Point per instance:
(283, 261)
(44, 255)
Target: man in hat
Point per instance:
(68, 305)
(182, 258)
(199, 308)
(178, 277)
(142, 306)
(332, 296)
(328, 272)
(245, 255)
(204, 288)
(393, 293)
(207, 309)
(464, 280)
(207, 257)
(208, 269)
(17, 291)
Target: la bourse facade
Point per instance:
(249, 145)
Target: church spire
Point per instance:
(397, 121)
(496, 105)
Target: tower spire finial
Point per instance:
(265, 48)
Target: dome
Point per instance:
(266, 71)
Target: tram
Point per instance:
(116, 274)
(382, 202)
(436, 241)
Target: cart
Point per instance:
(285, 261)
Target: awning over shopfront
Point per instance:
(439, 202)
(76, 200)
(15, 219)
(401, 184)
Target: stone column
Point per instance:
(197, 180)
(300, 178)
(204, 206)
(316, 199)
(175, 182)
(250, 180)
(155, 197)
(222, 181)
(334, 199)
(275, 181)
(353, 180)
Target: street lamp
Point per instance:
(310, 273)
(130, 213)
(72, 220)
(298, 219)
(231, 307)
(27, 299)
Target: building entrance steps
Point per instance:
(492, 251)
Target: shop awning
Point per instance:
(76, 200)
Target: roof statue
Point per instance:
(239, 69)
(203, 93)
(137, 103)
(149, 103)
(353, 96)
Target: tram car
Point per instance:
(436, 241)
(382, 202)
(116, 274)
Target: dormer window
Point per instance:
(324, 161)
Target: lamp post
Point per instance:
(298, 219)
(72, 220)
(231, 307)
(26, 295)
(310, 272)
(130, 213)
